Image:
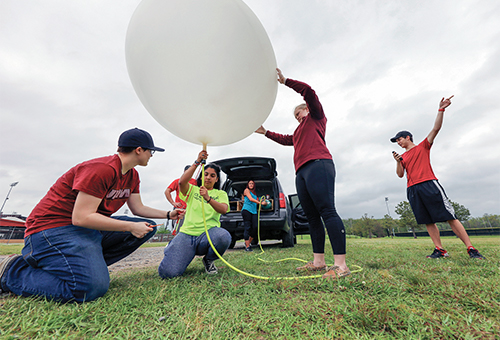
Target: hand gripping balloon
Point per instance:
(204, 69)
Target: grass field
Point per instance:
(399, 294)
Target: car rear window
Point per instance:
(236, 189)
(263, 188)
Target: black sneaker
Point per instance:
(438, 253)
(474, 254)
(210, 267)
(248, 249)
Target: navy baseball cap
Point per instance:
(401, 134)
(135, 138)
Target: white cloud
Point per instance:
(378, 67)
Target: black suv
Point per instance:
(277, 219)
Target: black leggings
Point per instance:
(315, 183)
(250, 222)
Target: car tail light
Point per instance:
(282, 200)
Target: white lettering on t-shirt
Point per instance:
(120, 193)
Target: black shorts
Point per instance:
(430, 203)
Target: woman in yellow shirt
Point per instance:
(192, 239)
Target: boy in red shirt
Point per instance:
(426, 196)
(71, 237)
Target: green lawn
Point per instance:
(399, 294)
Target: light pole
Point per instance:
(6, 198)
(1, 209)
(388, 213)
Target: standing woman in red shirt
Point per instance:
(315, 179)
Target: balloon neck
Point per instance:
(204, 161)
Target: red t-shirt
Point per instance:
(174, 186)
(308, 138)
(100, 177)
(417, 163)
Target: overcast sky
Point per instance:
(378, 67)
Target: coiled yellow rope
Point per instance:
(246, 273)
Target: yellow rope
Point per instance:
(241, 271)
(260, 244)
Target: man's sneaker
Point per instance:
(438, 253)
(210, 267)
(248, 249)
(474, 254)
(4, 265)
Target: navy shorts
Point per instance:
(430, 203)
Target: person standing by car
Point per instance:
(249, 214)
(315, 179)
(427, 197)
(192, 239)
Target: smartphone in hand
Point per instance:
(396, 156)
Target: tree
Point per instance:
(492, 220)
(348, 226)
(389, 224)
(406, 218)
(368, 227)
(357, 228)
(361, 228)
(462, 213)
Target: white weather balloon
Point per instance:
(204, 69)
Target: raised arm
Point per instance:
(188, 174)
(439, 119)
(261, 130)
(309, 95)
(281, 77)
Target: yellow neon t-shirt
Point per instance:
(193, 221)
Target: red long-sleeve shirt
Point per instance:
(308, 138)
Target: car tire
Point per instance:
(288, 238)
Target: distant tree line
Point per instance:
(367, 226)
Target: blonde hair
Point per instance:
(299, 107)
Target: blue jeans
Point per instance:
(70, 263)
(182, 249)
